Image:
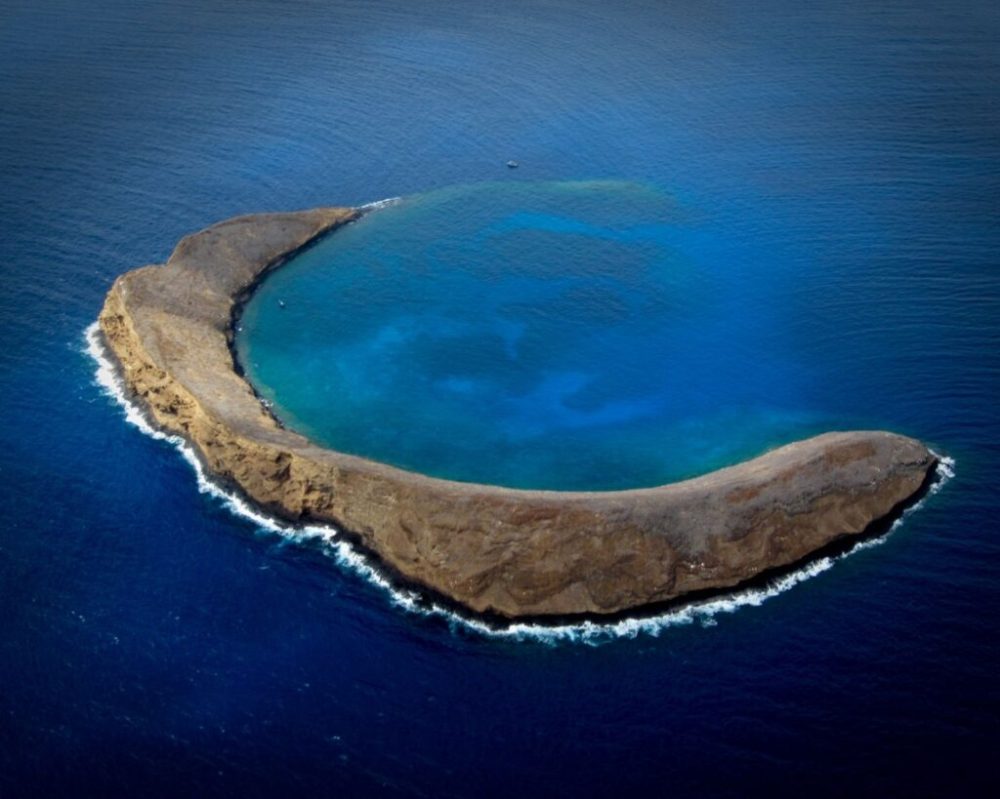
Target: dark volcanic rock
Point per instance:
(491, 549)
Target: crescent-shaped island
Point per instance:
(507, 553)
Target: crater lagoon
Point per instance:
(575, 335)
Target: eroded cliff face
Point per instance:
(510, 552)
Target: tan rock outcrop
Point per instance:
(496, 550)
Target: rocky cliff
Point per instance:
(491, 549)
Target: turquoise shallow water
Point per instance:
(563, 335)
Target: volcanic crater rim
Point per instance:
(509, 553)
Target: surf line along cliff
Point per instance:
(493, 550)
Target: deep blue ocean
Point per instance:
(733, 224)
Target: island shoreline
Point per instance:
(427, 599)
(628, 518)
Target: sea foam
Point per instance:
(334, 544)
(377, 204)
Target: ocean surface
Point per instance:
(733, 224)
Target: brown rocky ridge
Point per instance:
(498, 551)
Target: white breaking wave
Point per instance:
(374, 206)
(590, 632)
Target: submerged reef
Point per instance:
(505, 552)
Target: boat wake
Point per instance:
(334, 544)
